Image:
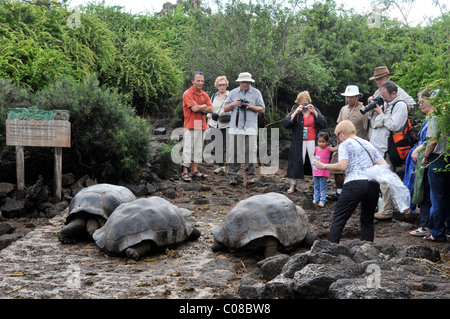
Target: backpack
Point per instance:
(399, 144)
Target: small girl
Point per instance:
(322, 153)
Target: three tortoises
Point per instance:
(120, 223)
(137, 226)
(269, 221)
(90, 208)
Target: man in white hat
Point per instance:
(245, 102)
(351, 112)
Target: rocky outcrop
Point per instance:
(362, 270)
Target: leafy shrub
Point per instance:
(146, 74)
(10, 97)
(108, 140)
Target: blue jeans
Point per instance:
(320, 189)
(440, 198)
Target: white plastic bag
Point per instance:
(399, 192)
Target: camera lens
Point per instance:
(378, 100)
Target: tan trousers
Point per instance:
(389, 206)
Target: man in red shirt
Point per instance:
(196, 103)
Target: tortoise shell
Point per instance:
(152, 218)
(258, 216)
(99, 199)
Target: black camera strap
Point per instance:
(365, 150)
(237, 118)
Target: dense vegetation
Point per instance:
(138, 65)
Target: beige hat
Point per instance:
(352, 90)
(245, 77)
(380, 72)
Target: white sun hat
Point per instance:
(245, 77)
(352, 90)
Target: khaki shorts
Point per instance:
(192, 147)
(335, 159)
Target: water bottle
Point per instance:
(317, 158)
(380, 206)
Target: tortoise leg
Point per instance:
(217, 246)
(194, 235)
(93, 224)
(270, 247)
(138, 250)
(71, 231)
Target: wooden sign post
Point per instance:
(38, 128)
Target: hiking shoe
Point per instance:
(333, 197)
(382, 217)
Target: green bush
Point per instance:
(109, 141)
(146, 74)
(10, 97)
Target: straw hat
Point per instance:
(380, 72)
(352, 90)
(245, 77)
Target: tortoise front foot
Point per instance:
(217, 246)
(92, 225)
(138, 250)
(72, 231)
(271, 247)
(194, 235)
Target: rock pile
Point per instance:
(362, 270)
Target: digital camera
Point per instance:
(378, 100)
(244, 104)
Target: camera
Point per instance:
(378, 100)
(305, 107)
(244, 104)
(215, 116)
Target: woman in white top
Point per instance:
(220, 120)
(355, 156)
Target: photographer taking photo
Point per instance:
(387, 119)
(244, 102)
(305, 121)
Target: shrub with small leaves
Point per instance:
(109, 141)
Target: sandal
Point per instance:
(251, 181)
(321, 205)
(291, 190)
(421, 231)
(233, 181)
(434, 240)
(198, 175)
(185, 177)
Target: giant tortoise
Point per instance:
(269, 222)
(90, 208)
(135, 227)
